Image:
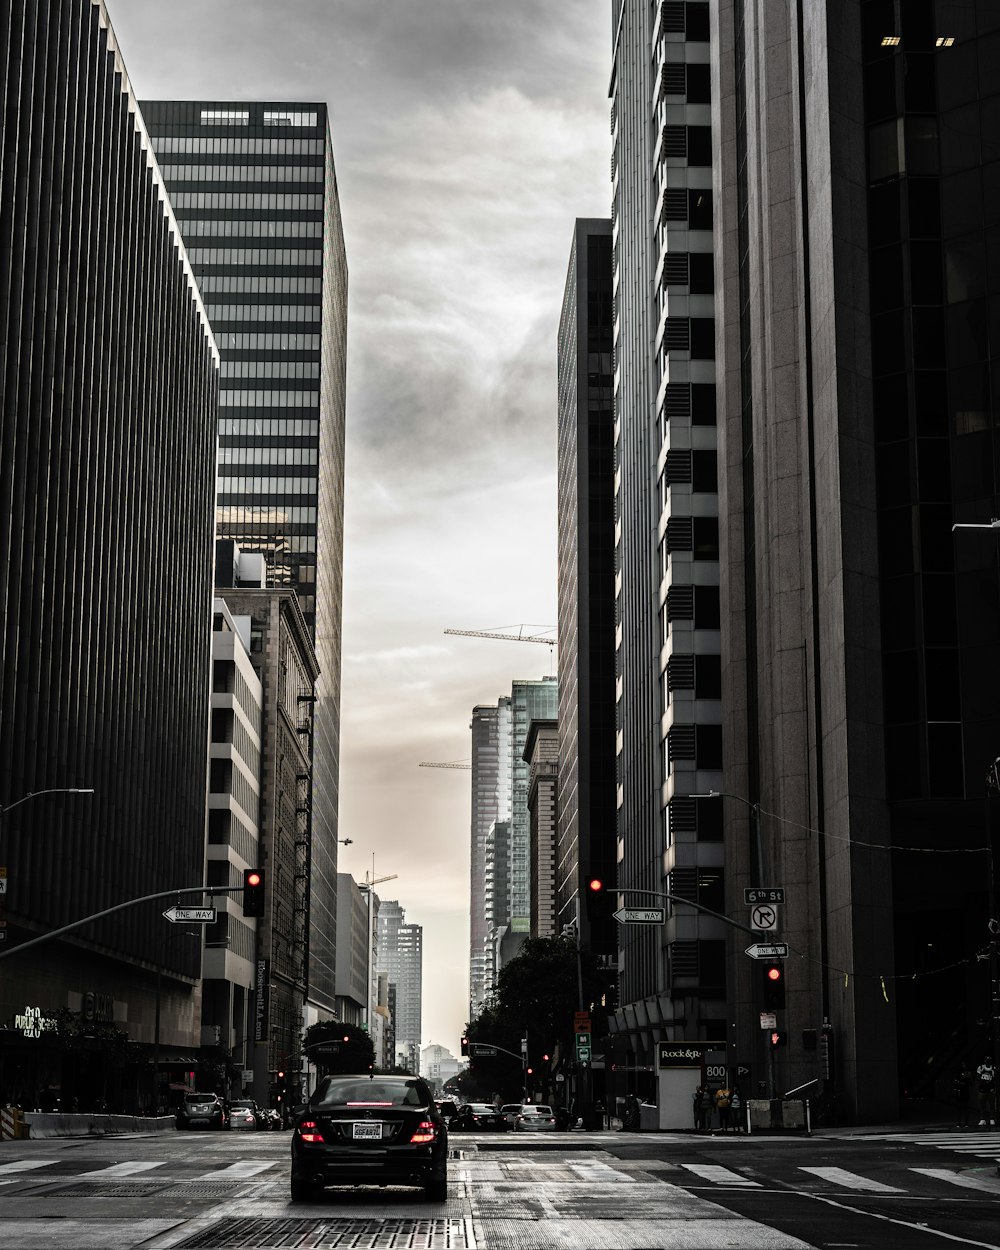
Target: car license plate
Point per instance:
(367, 1130)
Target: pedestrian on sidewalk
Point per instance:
(707, 1104)
(961, 1089)
(697, 1109)
(723, 1104)
(986, 1075)
(736, 1109)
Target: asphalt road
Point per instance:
(600, 1191)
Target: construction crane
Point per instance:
(520, 636)
(454, 764)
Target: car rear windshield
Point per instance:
(537, 1110)
(375, 1093)
(199, 1098)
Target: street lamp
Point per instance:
(35, 794)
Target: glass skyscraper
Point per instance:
(254, 191)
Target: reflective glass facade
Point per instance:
(255, 193)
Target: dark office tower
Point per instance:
(585, 843)
(255, 194)
(491, 789)
(857, 240)
(666, 522)
(108, 393)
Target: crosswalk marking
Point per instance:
(119, 1169)
(26, 1165)
(985, 1184)
(249, 1167)
(720, 1175)
(851, 1180)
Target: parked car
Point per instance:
(447, 1108)
(202, 1111)
(245, 1114)
(478, 1117)
(369, 1130)
(273, 1120)
(510, 1111)
(534, 1118)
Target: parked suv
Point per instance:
(202, 1111)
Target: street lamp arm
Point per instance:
(110, 911)
(34, 794)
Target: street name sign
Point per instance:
(482, 1050)
(639, 915)
(190, 915)
(776, 950)
(764, 916)
(764, 894)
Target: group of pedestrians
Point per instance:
(985, 1083)
(724, 1103)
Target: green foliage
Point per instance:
(334, 1047)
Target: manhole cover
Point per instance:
(325, 1234)
(145, 1189)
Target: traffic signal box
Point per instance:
(773, 996)
(465, 1046)
(253, 892)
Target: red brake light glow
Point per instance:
(307, 1131)
(369, 1104)
(426, 1131)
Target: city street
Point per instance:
(582, 1191)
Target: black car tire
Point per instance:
(437, 1189)
(303, 1191)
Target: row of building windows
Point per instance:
(227, 679)
(267, 427)
(269, 369)
(256, 255)
(263, 516)
(269, 399)
(234, 341)
(241, 117)
(250, 229)
(242, 173)
(226, 829)
(229, 729)
(291, 201)
(268, 455)
(226, 777)
(260, 284)
(267, 486)
(219, 146)
(232, 933)
(263, 312)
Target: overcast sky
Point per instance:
(468, 135)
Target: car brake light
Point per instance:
(425, 1131)
(307, 1131)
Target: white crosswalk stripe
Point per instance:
(118, 1169)
(981, 1144)
(26, 1165)
(720, 1175)
(986, 1184)
(851, 1180)
(236, 1171)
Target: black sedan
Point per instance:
(370, 1130)
(478, 1117)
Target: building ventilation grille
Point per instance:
(614, 116)
(680, 533)
(680, 742)
(683, 816)
(677, 401)
(680, 603)
(684, 959)
(675, 205)
(680, 672)
(673, 80)
(678, 466)
(677, 334)
(675, 269)
(672, 17)
(675, 141)
(684, 883)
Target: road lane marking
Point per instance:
(236, 1171)
(118, 1169)
(851, 1180)
(985, 1184)
(26, 1165)
(720, 1175)
(875, 1215)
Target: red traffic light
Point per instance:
(774, 974)
(281, 1076)
(595, 884)
(253, 878)
(346, 1038)
(253, 892)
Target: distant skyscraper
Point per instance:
(529, 700)
(586, 835)
(400, 956)
(108, 398)
(669, 735)
(496, 901)
(254, 190)
(541, 752)
(491, 792)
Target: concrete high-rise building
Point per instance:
(586, 834)
(858, 171)
(669, 735)
(400, 957)
(254, 191)
(541, 752)
(353, 950)
(491, 792)
(496, 901)
(108, 410)
(529, 701)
